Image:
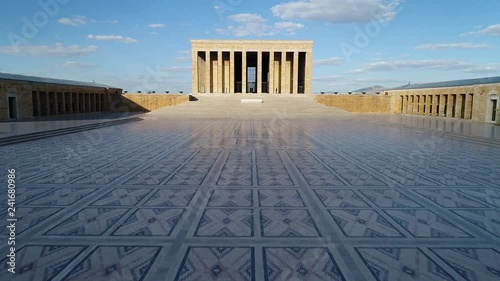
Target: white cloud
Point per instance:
(117, 38)
(75, 21)
(255, 25)
(337, 11)
(157, 25)
(246, 25)
(453, 46)
(329, 61)
(426, 64)
(493, 30)
(289, 27)
(59, 50)
(76, 64)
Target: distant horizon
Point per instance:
(146, 46)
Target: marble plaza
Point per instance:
(284, 190)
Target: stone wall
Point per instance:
(147, 102)
(358, 104)
(478, 101)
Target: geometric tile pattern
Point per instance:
(115, 263)
(402, 264)
(226, 223)
(62, 197)
(280, 198)
(122, 197)
(217, 263)
(363, 223)
(231, 198)
(389, 198)
(488, 220)
(170, 198)
(449, 199)
(150, 222)
(472, 264)
(89, 221)
(287, 223)
(40, 263)
(424, 223)
(341, 197)
(300, 264)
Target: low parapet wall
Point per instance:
(150, 102)
(357, 104)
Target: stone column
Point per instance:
(428, 111)
(403, 104)
(70, 103)
(308, 73)
(441, 105)
(56, 103)
(422, 105)
(259, 72)
(194, 71)
(231, 72)
(295, 77)
(244, 72)
(77, 103)
(64, 109)
(458, 106)
(468, 106)
(208, 78)
(435, 105)
(220, 83)
(95, 102)
(271, 72)
(283, 73)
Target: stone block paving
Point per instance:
(251, 200)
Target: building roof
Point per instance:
(455, 83)
(35, 79)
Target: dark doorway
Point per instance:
(462, 107)
(12, 108)
(238, 73)
(494, 115)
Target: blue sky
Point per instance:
(144, 45)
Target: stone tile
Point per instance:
(231, 198)
(171, 198)
(88, 222)
(343, 198)
(226, 223)
(488, 196)
(280, 198)
(424, 223)
(449, 198)
(122, 197)
(115, 263)
(28, 217)
(287, 223)
(487, 220)
(217, 263)
(402, 264)
(150, 222)
(235, 180)
(300, 263)
(472, 264)
(274, 179)
(363, 223)
(62, 197)
(389, 198)
(41, 262)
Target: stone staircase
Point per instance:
(229, 106)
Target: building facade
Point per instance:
(473, 99)
(27, 98)
(260, 66)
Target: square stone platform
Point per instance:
(215, 190)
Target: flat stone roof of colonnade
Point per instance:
(305, 44)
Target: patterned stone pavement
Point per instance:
(265, 199)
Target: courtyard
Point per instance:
(284, 190)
